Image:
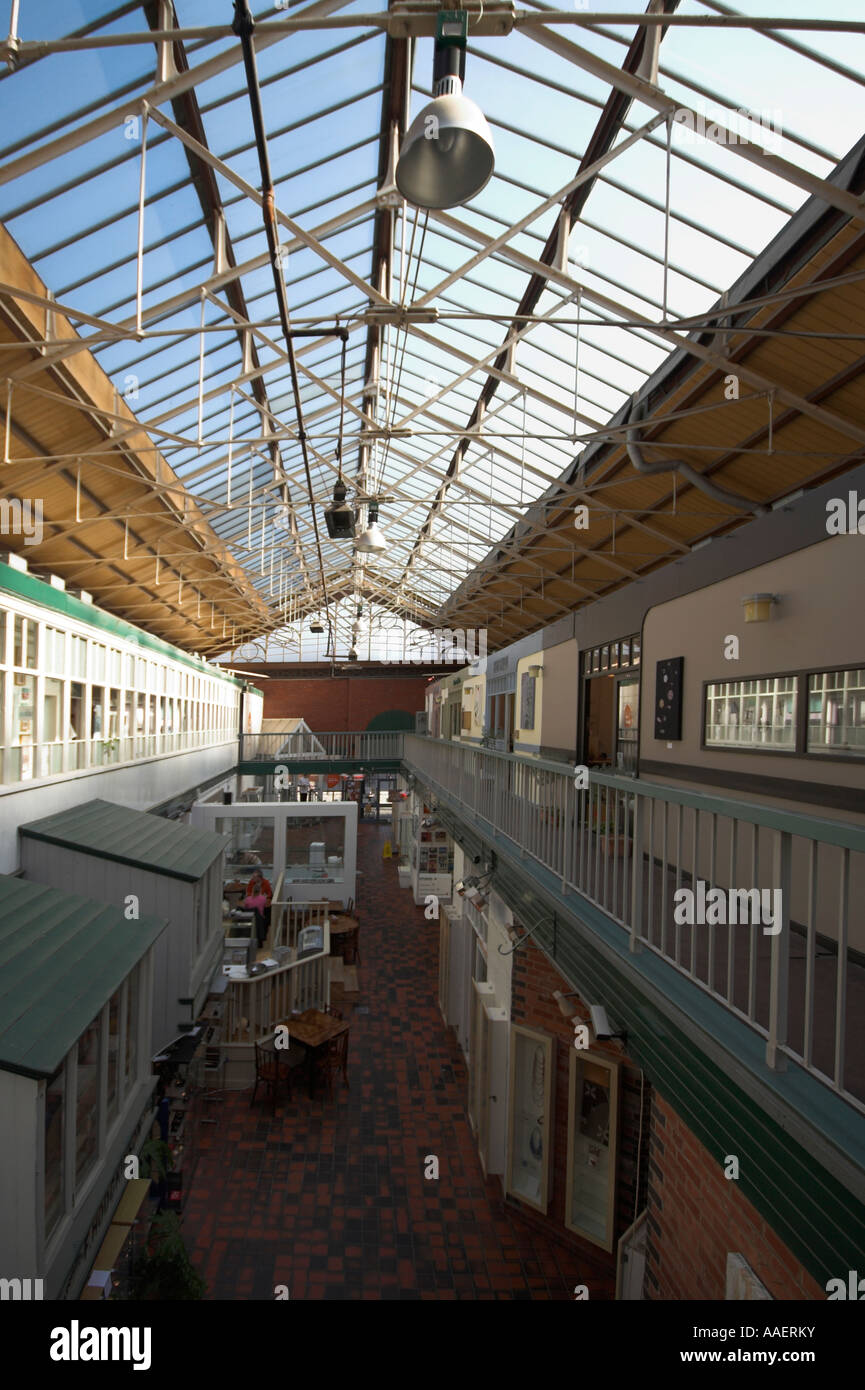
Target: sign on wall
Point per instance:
(668, 698)
(527, 701)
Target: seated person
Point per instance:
(259, 887)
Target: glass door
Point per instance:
(627, 724)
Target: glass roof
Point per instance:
(671, 218)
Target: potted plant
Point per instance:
(163, 1271)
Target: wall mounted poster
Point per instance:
(593, 1112)
(530, 1118)
(668, 698)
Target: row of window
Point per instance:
(85, 1096)
(764, 714)
(612, 656)
(116, 707)
(28, 645)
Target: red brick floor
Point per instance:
(329, 1197)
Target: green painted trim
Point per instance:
(35, 590)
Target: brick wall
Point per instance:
(330, 704)
(534, 979)
(696, 1216)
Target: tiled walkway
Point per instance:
(329, 1198)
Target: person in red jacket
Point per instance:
(258, 887)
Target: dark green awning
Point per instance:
(131, 837)
(61, 959)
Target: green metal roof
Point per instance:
(131, 837)
(61, 959)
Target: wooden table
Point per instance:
(313, 1029)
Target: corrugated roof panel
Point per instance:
(61, 958)
(131, 837)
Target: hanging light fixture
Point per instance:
(316, 626)
(339, 516)
(372, 539)
(447, 156)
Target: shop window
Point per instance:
(76, 710)
(752, 714)
(836, 712)
(87, 1102)
(79, 656)
(132, 1009)
(251, 840)
(26, 645)
(97, 663)
(315, 848)
(97, 711)
(113, 1078)
(23, 725)
(53, 1151)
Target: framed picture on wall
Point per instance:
(530, 1116)
(668, 698)
(593, 1135)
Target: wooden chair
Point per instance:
(351, 944)
(272, 1068)
(331, 1058)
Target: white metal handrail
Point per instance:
(631, 846)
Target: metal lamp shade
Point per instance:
(447, 156)
(372, 539)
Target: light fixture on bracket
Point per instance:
(447, 156)
(374, 432)
(339, 516)
(602, 1027)
(565, 1007)
(519, 941)
(758, 607)
(536, 671)
(372, 541)
(398, 315)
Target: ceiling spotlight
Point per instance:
(447, 156)
(339, 516)
(372, 539)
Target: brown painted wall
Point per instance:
(331, 704)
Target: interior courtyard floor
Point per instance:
(328, 1198)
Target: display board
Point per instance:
(668, 698)
(530, 1116)
(593, 1110)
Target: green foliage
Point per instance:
(158, 1154)
(163, 1271)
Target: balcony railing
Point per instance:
(254, 1006)
(30, 762)
(366, 747)
(795, 975)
